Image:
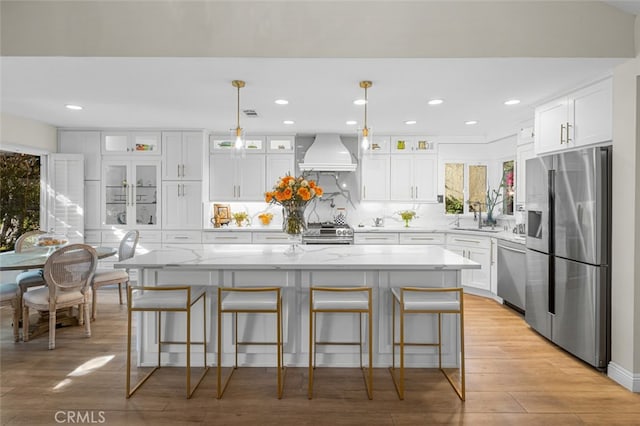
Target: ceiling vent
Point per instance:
(250, 113)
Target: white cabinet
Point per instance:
(279, 165)
(269, 237)
(182, 155)
(413, 177)
(181, 237)
(226, 237)
(86, 143)
(181, 205)
(478, 249)
(130, 193)
(281, 145)
(375, 238)
(436, 238)
(583, 117)
(236, 178)
(375, 178)
(123, 142)
(523, 153)
(92, 204)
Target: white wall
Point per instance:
(25, 135)
(626, 224)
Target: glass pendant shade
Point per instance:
(364, 134)
(238, 133)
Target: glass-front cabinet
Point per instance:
(130, 193)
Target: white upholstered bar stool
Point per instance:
(250, 300)
(10, 295)
(167, 299)
(103, 277)
(329, 300)
(420, 300)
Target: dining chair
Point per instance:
(28, 278)
(68, 273)
(104, 277)
(10, 295)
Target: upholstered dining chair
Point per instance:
(104, 277)
(32, 278)
(10, 295)
(68, 273)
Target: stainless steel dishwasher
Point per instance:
(512, 274)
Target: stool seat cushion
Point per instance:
(340, 300)
(110, 275)
(249, 301)
(30, 279)
(40, 296)
(165, 299)
(428, 301)
(8, 291)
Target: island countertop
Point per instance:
(273, 256)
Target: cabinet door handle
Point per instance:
(133, 196)
(467, 241)
(416, 192)
(238, 191)
(225, 238)
(180, 237)
(422, 238)
(178, 170)
(364, 191)
(561, 134)
(568, 138)
(183, 170)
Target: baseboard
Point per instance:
(624, 377)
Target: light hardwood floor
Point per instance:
(514, 377)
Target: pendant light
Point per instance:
(238, 144)
(364, 135)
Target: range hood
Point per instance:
(327, 153)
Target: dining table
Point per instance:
(35, 258)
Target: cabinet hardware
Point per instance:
(422, 238)
(178, 170)
(467, 241)
(512, 249)
(416, 192)
(376, 238)
(226, 238)
(238, 191)
(276, 238)
(561, 134)
(491, 252)
(568, 139)
(364, 191)
(180, 237)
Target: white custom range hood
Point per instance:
(327, 153)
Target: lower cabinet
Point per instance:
(478, 249)
(376, 238)
(226, 237)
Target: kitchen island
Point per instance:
(378, 266)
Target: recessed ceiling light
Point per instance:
(73, 107)
(351, 123)
(281, 101)
(435, 102)
(359, 102)
(410, 122)
(512, 102)
(471, 122)
(288, 122)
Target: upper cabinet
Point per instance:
(225, 143)
(123, 142)
(281, 144)
(583, 117)
(183, 154)
(375, 178)
(236, 178)
(86, 143)
(413, 178)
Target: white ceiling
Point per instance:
(188, 93)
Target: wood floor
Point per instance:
(514, 377)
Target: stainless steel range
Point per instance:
(327, 233)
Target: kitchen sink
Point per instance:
(488, 230)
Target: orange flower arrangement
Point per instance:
(293, 194)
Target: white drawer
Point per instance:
(422, 238)
(270, 238)
(226, 237)
(179, 237)
(376, 238)
(115, 235)
(468, 240)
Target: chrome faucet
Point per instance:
(478, 204)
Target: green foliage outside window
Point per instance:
(19, 196)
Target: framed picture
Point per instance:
(221, 214)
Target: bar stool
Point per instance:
(418, 300)
(166, 299)
(340, 300)
(250, 300)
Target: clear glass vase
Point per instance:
(294, 224)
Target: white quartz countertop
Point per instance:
(272, 256)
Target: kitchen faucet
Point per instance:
(478, 204)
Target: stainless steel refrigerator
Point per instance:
(568, 282)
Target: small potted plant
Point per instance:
(407, 215)
(240, 217)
